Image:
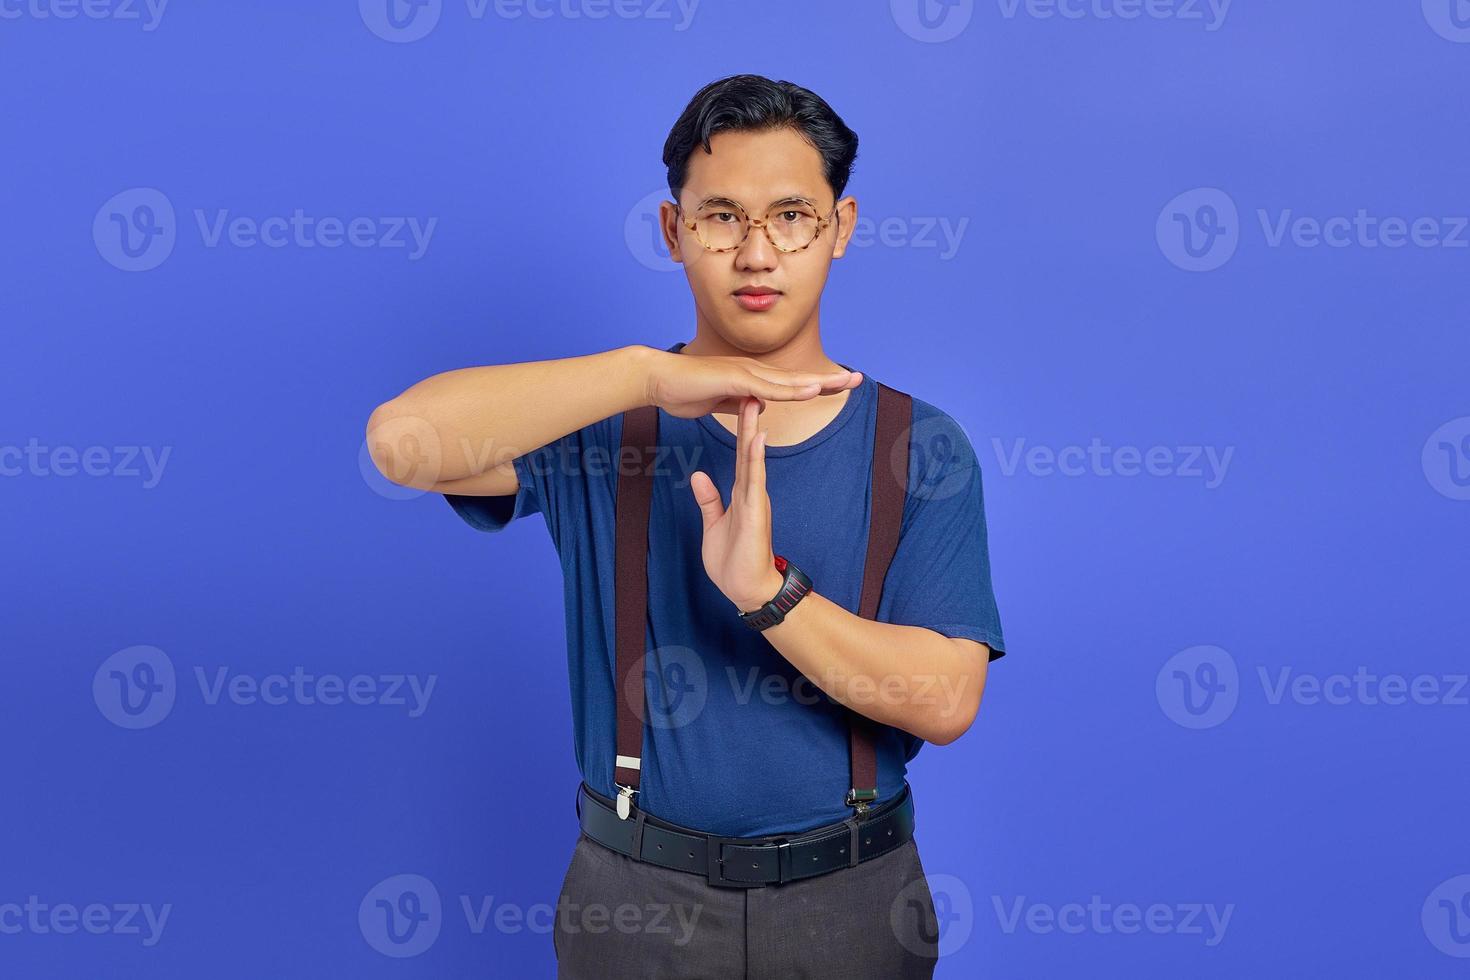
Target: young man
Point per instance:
(748, 678)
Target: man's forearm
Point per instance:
(460, 423)
(909, 677)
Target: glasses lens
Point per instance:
(718, 228)
(792, 226)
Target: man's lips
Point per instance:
(756, 298)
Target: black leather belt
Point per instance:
(748, 862)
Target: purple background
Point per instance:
(1052, 148)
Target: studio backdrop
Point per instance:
(1188, 273)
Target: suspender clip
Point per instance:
(625, 801)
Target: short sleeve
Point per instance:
(940, 574)
(554, 480)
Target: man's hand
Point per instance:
(737, 541)
(690, 385)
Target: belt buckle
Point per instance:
(714, 857)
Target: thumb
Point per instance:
(708, 498)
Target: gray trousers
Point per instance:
(618, 918)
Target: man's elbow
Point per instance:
(953, 726)
(403, 447)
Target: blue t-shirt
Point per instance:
(737, 742)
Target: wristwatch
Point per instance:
(793, 587)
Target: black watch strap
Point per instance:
(793, 587)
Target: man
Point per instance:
(789, 651)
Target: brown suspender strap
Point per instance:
(890, 483)
(630, 580)
(632, 507)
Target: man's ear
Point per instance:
(668, 223)
(844, 222)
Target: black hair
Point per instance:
(754, 103)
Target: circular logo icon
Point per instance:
(1446, 917)
(135, 688)
(1198, 687)
(932, 21)
(953, 920)
(400, 21)
(411, 446)
(676, 686)
(1449, 18)
(135, 230)
(643, 235)
(1199, 230)
(941, 460)
(400, 916)
(1446, 459)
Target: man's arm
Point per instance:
(459, 431)
(931, 690)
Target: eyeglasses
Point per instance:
(722, 225)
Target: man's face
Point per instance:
(757, 170)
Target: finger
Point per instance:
(708, 498)
(775, 391)
(744, 434)
(828, 382)
(755, 483)
(731, 406)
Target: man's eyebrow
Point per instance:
(788, 199)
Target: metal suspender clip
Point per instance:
(625, 800)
